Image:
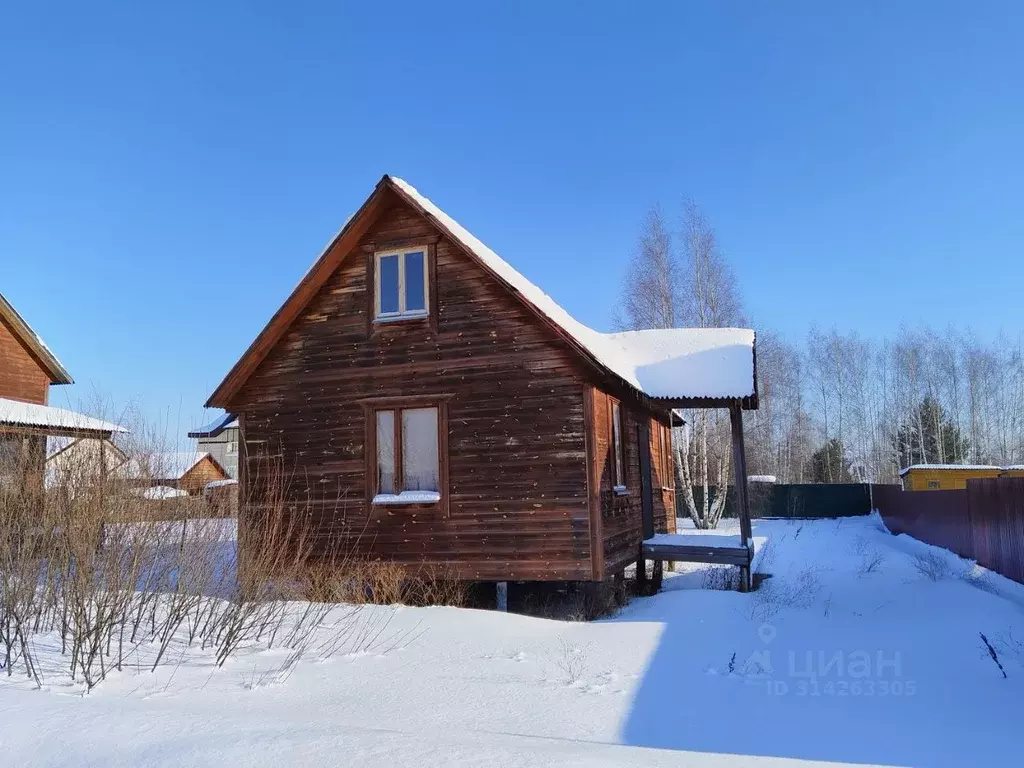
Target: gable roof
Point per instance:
(172, 465)
(215, 427)
(58, 446)
(681, 365)
(33, 343)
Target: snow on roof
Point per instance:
(161, 493)
(226, 421)
(683, 362)
(15, 412)
(171, 465)
(677, 362)
(221, 483)
(57, 372)
(953, 466)
(761, 478)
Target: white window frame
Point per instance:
(402, 312)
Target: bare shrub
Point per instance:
(571, 660)
(982, 579)
(1010, 646)
(720, 577)
(932, 566)
(779, 594)
(871, 558)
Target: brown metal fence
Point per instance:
(984, 522)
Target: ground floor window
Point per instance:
(407, 456)
(618, 463)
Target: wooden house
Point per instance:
(27, 371)
(220, 439)
(949, 477)
(428, 404)
(78, 460)
(188, 471)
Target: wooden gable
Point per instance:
(206, 470)
(515, 494)
(22, 376)
(351, 243)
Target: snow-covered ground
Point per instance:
(861, 648)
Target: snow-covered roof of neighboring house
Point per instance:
(170, 465)
(680, 364)
(761, 478)
(221, 483)
(214, 428)
(988, 467)
(160, 493)
(55, 446)
(662, 363)
(44, 417)
(37, 347)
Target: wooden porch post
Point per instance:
(740, 468)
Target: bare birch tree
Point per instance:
(695, 287)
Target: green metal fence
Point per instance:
(803, 500)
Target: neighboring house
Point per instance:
(948, 477)
(220, 440)
(27, 371)
(428, 404)
(188, 471)
(78, 459)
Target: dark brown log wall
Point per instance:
(21, 377)
(621, 521)
(517, 469)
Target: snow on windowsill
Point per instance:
(620, 490)
(408, 497)
(382, 319)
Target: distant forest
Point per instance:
(841, 409)
(836, 407)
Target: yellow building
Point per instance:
(949, 477)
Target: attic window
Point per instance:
(401, 283)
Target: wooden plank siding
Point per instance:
(22, 377)
(620, 517)
(525, 483)
(517, 471)
(205, 471)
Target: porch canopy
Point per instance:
(47, 421)
(698, 368)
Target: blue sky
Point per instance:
(168, 171)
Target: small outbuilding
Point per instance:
(949, 477)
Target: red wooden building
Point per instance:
(429, 404)
(27, 370)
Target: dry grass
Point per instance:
(75, 560)
(359, 581)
